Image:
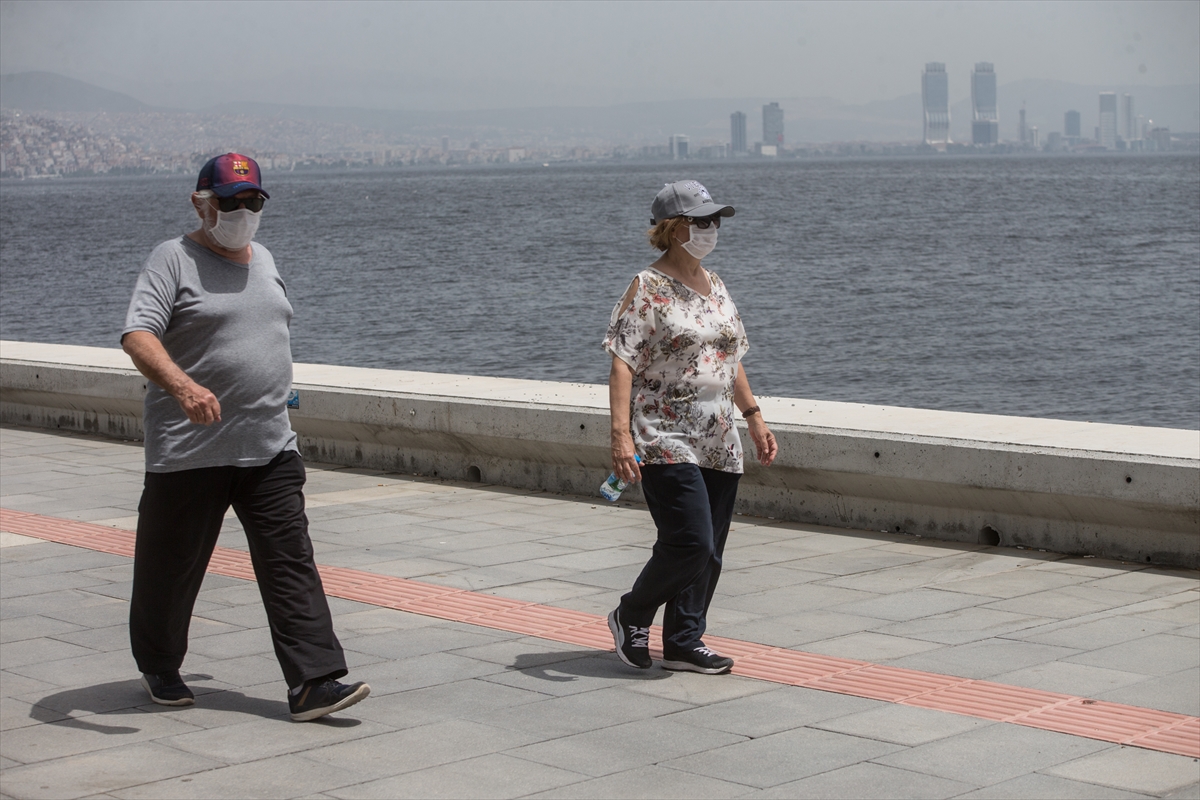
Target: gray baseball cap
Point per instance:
(685, 199)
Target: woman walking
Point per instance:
(677, 342)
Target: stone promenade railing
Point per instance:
(1071, 487)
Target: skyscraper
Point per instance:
(678, 145)
(1108, 120)
(985, 117)
(1129, 126)
(737, 132)
(935, 98)
(773, 125)
(1071, 124)
(1022, 131)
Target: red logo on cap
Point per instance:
(241, 167)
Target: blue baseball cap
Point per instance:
(229, 174)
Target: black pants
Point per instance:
(179, 520)
(692, 508)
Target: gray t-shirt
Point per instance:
(227, 326)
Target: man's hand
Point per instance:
(151, 358)
(764, 440)
(200, 405)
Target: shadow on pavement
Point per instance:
(125, 698)
(572, 665)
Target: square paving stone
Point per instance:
(903, 606)
(1067, 602)
(774, 710)
(1160, 654)
(692, 688)
(1179, 692)
(1014, 583)
(1039, 787)
(92, 733)
(902, 724)
(576, 713)
(1067, 678)
(1150, 582)
(34, 627)
(992, 754)
(871, 646)
(782, 757)
(19, 656)
(103, 771)
(282, 777)
(647, 783)
(868, 780)
(983, 659)
(418, 748)
(428, 670)
(621, 747)
(1132, 769)
(474, 700)
(1096, 633)
(493, 775)
(962, 626)
(264, 738)
(426, 639)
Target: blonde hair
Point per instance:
(663, 232)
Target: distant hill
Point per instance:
(807, 119)
(47, 91)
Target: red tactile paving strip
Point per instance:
(1078, 716)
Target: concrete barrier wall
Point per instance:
(1108, 490)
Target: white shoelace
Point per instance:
(705, 651)
(639, 637)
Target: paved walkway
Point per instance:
(473, 710)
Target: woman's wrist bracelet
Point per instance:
(751, 411)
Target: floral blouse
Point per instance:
(684, 349)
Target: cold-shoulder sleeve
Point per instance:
(631, 327)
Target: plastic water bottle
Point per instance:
(611, 489)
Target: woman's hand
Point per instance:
(764, 440)
(624, 457)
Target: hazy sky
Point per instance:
(492, 54)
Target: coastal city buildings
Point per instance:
(1071, 125)
(985, 116)
(737, 133)
(935, 99)
(772, 126)
(678, 146)
(1022, 131)
(1129, 126)
(1106, 133)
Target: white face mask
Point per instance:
(702, 242)
(233, 230)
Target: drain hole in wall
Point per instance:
(474, 475)
(989, 536)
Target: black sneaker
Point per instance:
(325, 696)
(168, 689)
(699, 659)
(633, 643)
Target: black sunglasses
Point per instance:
(228, 204)
(703, 223)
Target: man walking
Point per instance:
(208, 325)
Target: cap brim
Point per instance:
(230, 189)
(710, 209)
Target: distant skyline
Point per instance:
(471, 55)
